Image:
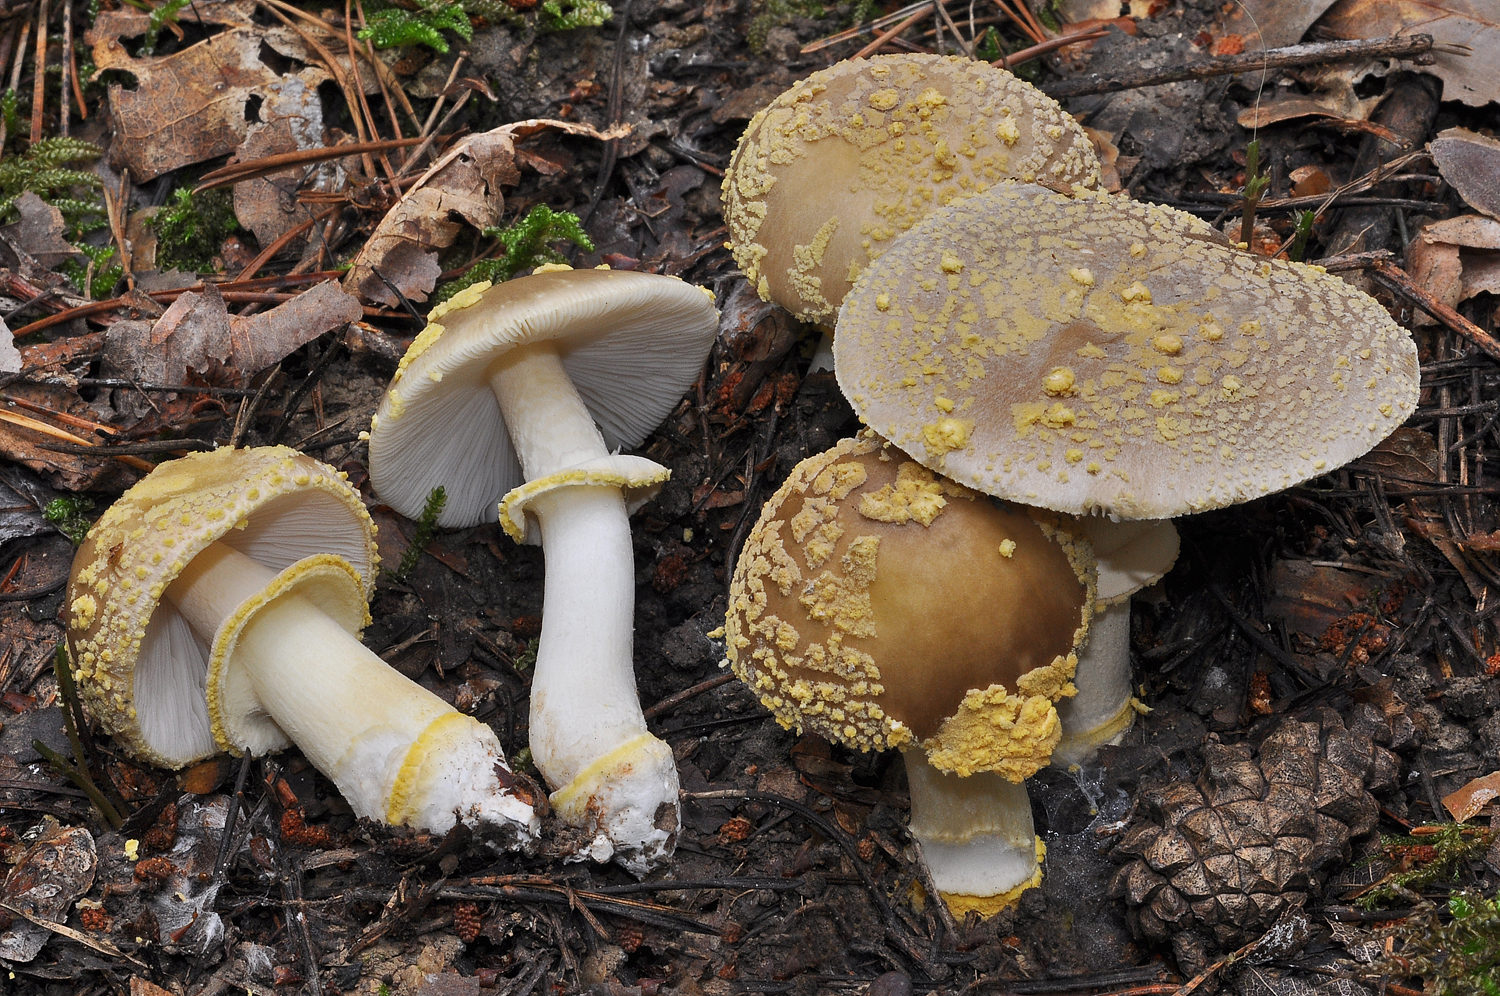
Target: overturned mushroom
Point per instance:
(497, 401)
(835, 168)
(217, 605)
(882, 606)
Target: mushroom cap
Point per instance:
(141, 672)
(880, 605)
(849, 158)
(632, 343)
(1094, 354)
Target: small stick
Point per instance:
(1051, 44)
(881, 39)
(281, 242)
(673, 701)
(38, 84)
(67, 64)
(1395, 278)
(1273, 58)
(967, 46)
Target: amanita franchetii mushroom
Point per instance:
(881, 606)
(1098, 356)
(516, 399)
(217, 606)
(846, 160)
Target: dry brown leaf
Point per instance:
(1466, 803)
(1471, 231)
(188, 106)
(463, 184)
(1435, 267)
(64, 471)
(291, 119)
(262, 339)
(197, 334)
(1408, 454)
(1272, 23)
(1481, 273)
(1471, 164)
(39, 232)
(1465, 34)
(140, 987)
(1340, 103)
(131, 22)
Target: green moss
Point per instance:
(159, 18)
(70, 515)
(774, 14)
(1461, 956)
(97, 279)
(527, 243)
(426, 527)
(190, 229)
(45, 170)
(1436, 856)
(395, 26)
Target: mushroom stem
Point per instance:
(588, 733)
(976, 836)
(1101, 712)
(397, 752)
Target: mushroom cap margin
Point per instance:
(142, 542)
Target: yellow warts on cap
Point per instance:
(946, 435)
(423, 342)
(961, 904)
(1165, 386)
(465, 298)
(995, 730)
(554, 268)
(1008, 548)
(917, 495)
(841, 164)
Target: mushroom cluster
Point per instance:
(881, 606)
(1035, 340)
(216, 607)
(516, 399)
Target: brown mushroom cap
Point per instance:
(140, 671)
(1096, 354)
(849, 158)
(878, 604)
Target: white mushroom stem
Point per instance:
(1102, 711)
(976, 835)
(397, 752)
(588, 733)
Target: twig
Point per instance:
(1310, 54)
(963, 43)
(67, 65)
(295, 401)
(1396, 279)
(37, 592)
(248, 407)
(281, 242)
(129, 449)
(1051, 44)
(673, 701)
(38, 84)
(266, 165)
(884, 37)
(80, 778)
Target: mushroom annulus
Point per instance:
(516, 399)
(881, 606)
(1102, 357)
(833, 170)
(217, 606)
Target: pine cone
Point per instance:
(1226, 857)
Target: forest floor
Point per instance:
(1367, 592)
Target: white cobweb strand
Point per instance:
(588, 733)
(354, 717)
(1103, 683)
(976, 832)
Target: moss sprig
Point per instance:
(160, 15)
(190, 229)
(70, 515)
(395, 26)
(1461, 956)
(426, 527)
(528, 243)
(46, 170)
(1436, 855)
